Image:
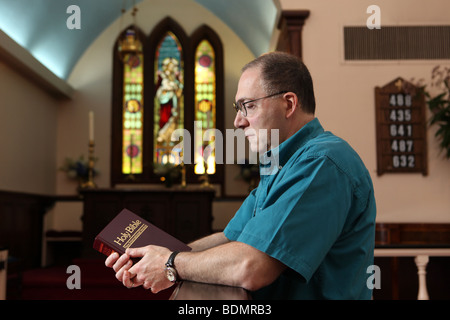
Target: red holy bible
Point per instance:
(128, 230)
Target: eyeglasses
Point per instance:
(240, 106)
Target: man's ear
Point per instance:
(292, 103)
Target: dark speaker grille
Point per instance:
(397, 43)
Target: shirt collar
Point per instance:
(274, 159)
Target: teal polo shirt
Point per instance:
(315, 212)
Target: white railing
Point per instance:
(421, 259)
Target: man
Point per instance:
(307, 231)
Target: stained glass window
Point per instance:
(178, 92)
(205, 105)
(133, 114)
(169, 98)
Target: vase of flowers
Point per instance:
(78, 169)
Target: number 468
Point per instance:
(400, 100)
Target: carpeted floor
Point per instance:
(97, 283)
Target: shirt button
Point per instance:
(280, 167)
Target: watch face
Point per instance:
(171, 274)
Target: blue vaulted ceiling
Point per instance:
(36, 25)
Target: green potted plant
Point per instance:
(440, 107)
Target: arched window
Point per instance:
(133, 101)
(128, 107)
(168, 106)
(176, 82)
(208, 102)
(204, 105)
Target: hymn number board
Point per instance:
(401, 128)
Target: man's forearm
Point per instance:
(208, 242)
(232, 263)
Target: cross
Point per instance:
(399, 84)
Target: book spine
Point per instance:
(104, 248)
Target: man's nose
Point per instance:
(240, 121)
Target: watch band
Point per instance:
(171, 261)
(170, 271)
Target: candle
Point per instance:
(91, 126)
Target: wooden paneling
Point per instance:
(412, 234)
(291, 25)
(21, 221)
(185, 214)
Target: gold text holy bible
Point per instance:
(128, 230)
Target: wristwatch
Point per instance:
(171, 272)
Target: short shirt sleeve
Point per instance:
(301, 217)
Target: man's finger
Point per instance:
(136, 252)
(122, 261)
(119, 274)
(112, 258)
(129, 280)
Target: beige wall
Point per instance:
(38, 131)
(92, 79)
(345, 96)
(27, 134)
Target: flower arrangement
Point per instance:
(77, 169)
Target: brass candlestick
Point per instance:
(205, 178)
(183, 175)
(90, 184)
(183, 171)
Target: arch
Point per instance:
(178, 99)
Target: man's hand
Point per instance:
(148, 272)
(120, 264)
(226, 262)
